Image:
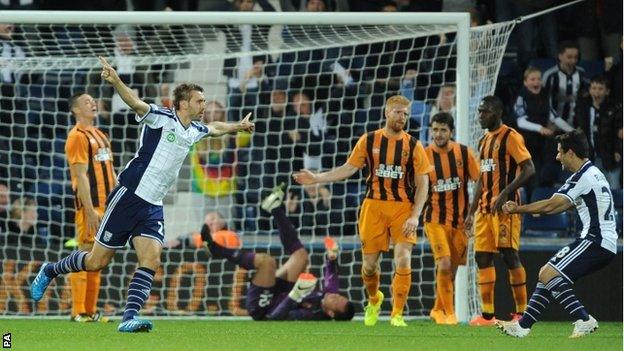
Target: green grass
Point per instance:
(30, 334)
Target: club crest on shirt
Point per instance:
(171, 137)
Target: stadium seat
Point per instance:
(546, 226)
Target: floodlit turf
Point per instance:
(33, 334)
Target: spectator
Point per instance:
(11, 108)
(112, 111)
(595, 115)
(536, 31)
(316, 6)
(273, 153)
(566, 81)
(22, 223)
(311, 130)
(445, 102)
(212, 163)
(534, 118)
(246, 74)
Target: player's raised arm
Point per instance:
(220, 128)
(305, 177)
(127, 95)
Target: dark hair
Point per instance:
(73, 99)
(183, 93)
(348, 313)
(576, 141)
(494, 103)
(444, 118)
(600, 79)
(566, 44)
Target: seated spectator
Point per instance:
(13, 130)
(445, 102)
(266, 140)
(246, 74)
(113, 113)
(22, 222)
(309, 131)
(246, 80)
(213, 165)
(566, 81)
(595, 115)
(535, 118)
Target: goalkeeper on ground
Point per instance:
(287, 292)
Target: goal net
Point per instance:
(314, 83)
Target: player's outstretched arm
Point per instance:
(305, 177)
(556, 204)
(127, 95)
(220, 128)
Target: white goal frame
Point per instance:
(461, 22)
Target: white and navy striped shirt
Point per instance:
(164, 144)
(563, 90)
(589, 191)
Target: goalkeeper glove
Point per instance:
(303, 287)
(331, 248)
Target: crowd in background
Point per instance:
(561, 72)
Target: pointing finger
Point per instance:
(104, 62)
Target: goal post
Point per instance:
(344, 64)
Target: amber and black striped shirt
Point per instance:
(90, 146)
(500, 154)
(448, 202)
(392, 163)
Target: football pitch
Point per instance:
(33, 334)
